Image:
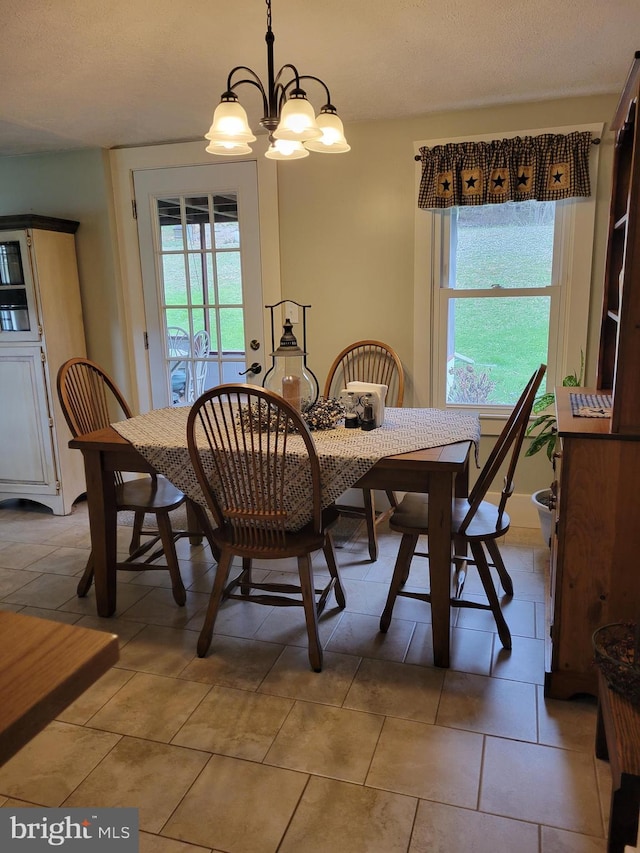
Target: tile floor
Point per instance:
(249, 751)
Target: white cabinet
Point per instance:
(40, 328)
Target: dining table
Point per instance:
(414, 450)
(44, 666)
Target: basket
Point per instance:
(615, 653)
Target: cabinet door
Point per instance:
(19, 319)
(27, 457)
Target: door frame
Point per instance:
(132, 364)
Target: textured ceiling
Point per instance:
(83, 73)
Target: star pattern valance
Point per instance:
(548, 167)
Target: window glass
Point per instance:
(497, 293)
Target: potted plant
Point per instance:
(545, 425)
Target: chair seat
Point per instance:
(148, 495)
(411, 517)
(300, 542)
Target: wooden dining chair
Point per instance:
(246, 445)
(90, 400)
(476, 524)
(375, 362)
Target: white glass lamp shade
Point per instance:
(297, 121)
(332, 140)
(230, 124)
(284, 149)
(228, 148)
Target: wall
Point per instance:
(74, 185)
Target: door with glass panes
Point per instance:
(200, 255)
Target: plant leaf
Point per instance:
(539, 442)
(543, 402)
(548, 420)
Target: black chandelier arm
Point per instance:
(328, 106)
(254, 80)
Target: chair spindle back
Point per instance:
(238, 438)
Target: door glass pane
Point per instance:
(212, 328)
(229, 278)
(227, 230)
(494, 345)
(197, 222)
(171, 237)
(196, 279)
(232, 330)
(174, 280)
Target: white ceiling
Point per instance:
(86, 73)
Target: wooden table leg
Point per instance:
(193, 525)
(439, 522)
(101, 503)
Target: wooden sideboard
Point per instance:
(595, 544)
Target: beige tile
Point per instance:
(567, 724)
(287, 625)
(517, 557)
(366, 596)
(54, 763)
(556, 787)
(150, 706)
(127, 594)
(560, 841)
(234, 662)
(542, 629)
(159, 650)
(159, 608)
(494, 706)
(149, 843)
(12, 580)
(291, 676)
(49, 591)
(326, 741)
(527, 585)
(441, 828)
(520, 616)
(541, 558)
(427, 761)
(95, 697)
(19, 555)
(152, 777)
(337, 816)
(124, 628)
(470, 651)
(237, 806)
(605, 788)
(234, 722)
(359, 634)
(62, 561)
(240, 619)
(53, 615)
(396, 689)
(523, 662)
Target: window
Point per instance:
(499, 289)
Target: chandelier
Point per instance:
(289, 118)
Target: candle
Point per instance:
(291, 391)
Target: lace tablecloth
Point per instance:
(345, 455)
